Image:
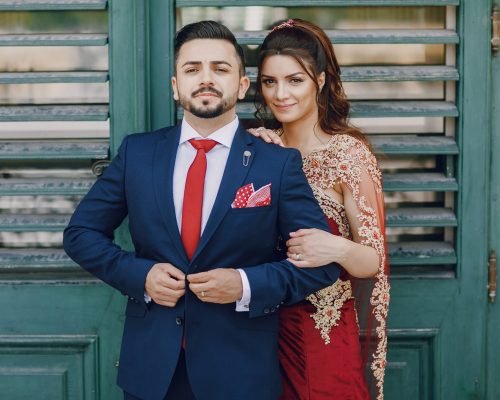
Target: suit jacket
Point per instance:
(229, 355)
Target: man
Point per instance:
(206, 203)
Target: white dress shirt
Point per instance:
(216, 163)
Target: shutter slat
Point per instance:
(377, 109)
(422, 253)
(389, 73)
(402, 217)
(55, 39)
(413, 144)
(58, 5)
(54, 113)
(368, 36)
(424, 182)
(53, 150)
(14, 260)
(54, 77)
(416, 217)
(397, 73)
(403, 109)
(44, 186)
(316, 3)
(33, 222)
(419, 182)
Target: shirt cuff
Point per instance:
(244, 303)
(147, 299)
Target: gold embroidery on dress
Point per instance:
(342, 161)
(333, 210)
(328, 303)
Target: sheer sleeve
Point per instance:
(361, 183)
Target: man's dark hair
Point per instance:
(208, 30)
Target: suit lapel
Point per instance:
(234, 175)
(163, 173)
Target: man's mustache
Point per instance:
(207, 90)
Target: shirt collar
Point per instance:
(223, 135)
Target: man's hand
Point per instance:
(221, 285)
(165, 284)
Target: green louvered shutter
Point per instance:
(55, 338)
(403, 64)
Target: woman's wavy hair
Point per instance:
(309, 45)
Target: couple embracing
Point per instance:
(247, 255)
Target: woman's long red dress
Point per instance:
(320, 352)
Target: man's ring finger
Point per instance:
(297, 256)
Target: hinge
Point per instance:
(492, 276)
(495, 30)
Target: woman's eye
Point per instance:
(267, 81)
(296, 80)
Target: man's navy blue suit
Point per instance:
(230, 355)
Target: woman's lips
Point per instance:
(283, 107)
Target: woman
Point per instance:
(320, 352)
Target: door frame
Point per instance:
(493, 327)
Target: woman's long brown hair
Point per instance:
(309, 45)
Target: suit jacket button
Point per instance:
(178, 321)
(266, 310)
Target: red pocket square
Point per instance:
(247, 197)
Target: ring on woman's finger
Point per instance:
(297, 256)
(259, 129)
(203, 294)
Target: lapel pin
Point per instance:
(246, 158)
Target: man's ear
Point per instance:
(244, 85)
(174, 88)
(321, 80)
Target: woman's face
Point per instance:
(288, 90)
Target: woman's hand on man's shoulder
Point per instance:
(267, 135)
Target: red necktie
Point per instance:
(193, 196)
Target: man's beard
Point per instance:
(202, 112)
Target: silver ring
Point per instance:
(202, 294)
(297, 256)
(259, 128)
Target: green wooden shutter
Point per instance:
(36, 166)
(57, 339)
(409, 108)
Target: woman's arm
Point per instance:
(364, 256)
(314, 247)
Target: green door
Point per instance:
(59, 327)
(417, 74)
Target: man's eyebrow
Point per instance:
(221, 62)
(211, 62)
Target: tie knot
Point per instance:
(203, 144)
